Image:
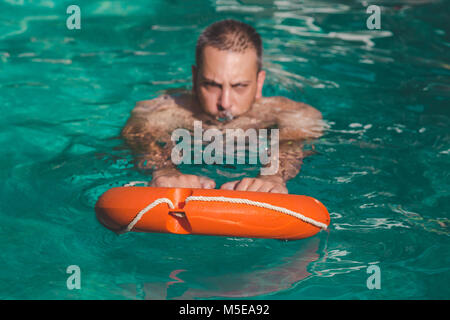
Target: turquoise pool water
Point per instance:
(382, 169)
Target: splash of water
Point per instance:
(224, 116)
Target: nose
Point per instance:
(225, 99)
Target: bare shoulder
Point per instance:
(148, 106)
(281, 105)
(161, 104)
(296, 120)
(163, 113)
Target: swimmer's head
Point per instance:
(228, 77)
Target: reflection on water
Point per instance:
(251, 283)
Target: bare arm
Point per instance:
(298, 123)
(148, 134)
(149, 142)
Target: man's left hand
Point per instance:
(261, 184)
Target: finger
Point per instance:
(207, 183)
(255, 185)
(229, 185)
(266, 187)
(243, 184)
(193, 181)
(181, 181)
(279, 189)
(161, 183)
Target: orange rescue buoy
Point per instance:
(211, 212)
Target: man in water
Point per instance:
(227, 93)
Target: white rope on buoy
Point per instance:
(141, 213)
(297, 215)
(261, 205)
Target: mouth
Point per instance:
(224, 116)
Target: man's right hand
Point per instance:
(172, 178)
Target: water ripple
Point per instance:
(371, 224)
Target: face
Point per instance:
(227, 83)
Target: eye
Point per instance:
(212, 84)
(240, 85)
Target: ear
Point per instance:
(259, 83)
(194, 78)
